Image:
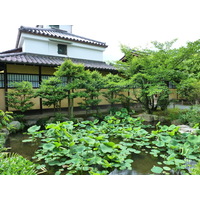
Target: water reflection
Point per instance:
(142, 165)
(14, 142)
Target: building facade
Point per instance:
(39, 50)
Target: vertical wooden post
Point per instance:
(40, 80)
(6, 85)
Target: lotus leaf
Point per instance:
(33, 129)
(48, 146)
(156, 169)
(105, 148)
(167, 168)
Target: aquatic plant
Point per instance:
(98, 147)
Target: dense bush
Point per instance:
(192, 116)
(20, 96)
(196, 169)
(14, 164)
(5, 119)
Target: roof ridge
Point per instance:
(54, 30)
(12, 54)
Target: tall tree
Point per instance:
(150, 70)
(93, 83)
(74, 74)
(114, 85)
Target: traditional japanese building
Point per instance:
(39, 50)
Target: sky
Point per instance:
(128, 22)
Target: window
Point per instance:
(62, 49)
(1, 80)
(172, 86)
(54, 26)
(34, 79)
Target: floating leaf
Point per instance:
(48, 146)
(28, 140)
(106, 149)
(33, 129)
(110, 144)
(167, 168)
(156, 169)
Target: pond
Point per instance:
(142, 164)
(15, 144)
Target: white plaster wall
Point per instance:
(85, 53)
(48, 46)
(35, 46)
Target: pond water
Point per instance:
(15, 144)
(142, 164)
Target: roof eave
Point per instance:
(22, 30)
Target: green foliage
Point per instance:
(196, 169)
(171, 113)
(175, 148)
(15, 164)
(75, 75)
(93, 83)
(114, 85)
(52, 92)
(20, 96)
(99, 147)
(149, 71)
(192, 116)
(5, 119)
(189, 89)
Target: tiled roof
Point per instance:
(36, 59)
(61, 34)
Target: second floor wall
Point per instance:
(50, 46)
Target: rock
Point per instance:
(186, 129)
(31, 122)
(79, 119)
(161, 118)
(176, 122)
(146, 117)
(64, 119)
(3, 136)
(91, 118)
(4, 132)
(53, 119)
(15, 125)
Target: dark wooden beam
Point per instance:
(40, 80)
(6, 85)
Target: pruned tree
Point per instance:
(20, 96)
(52, 92)
(93, 83)
(74, 74)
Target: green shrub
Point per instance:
(14, 164)
(20, 96)
(5, 119)
(171, 113)
(192, 116)
(196, 169)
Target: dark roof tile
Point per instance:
(57, 33)
(36, 59)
